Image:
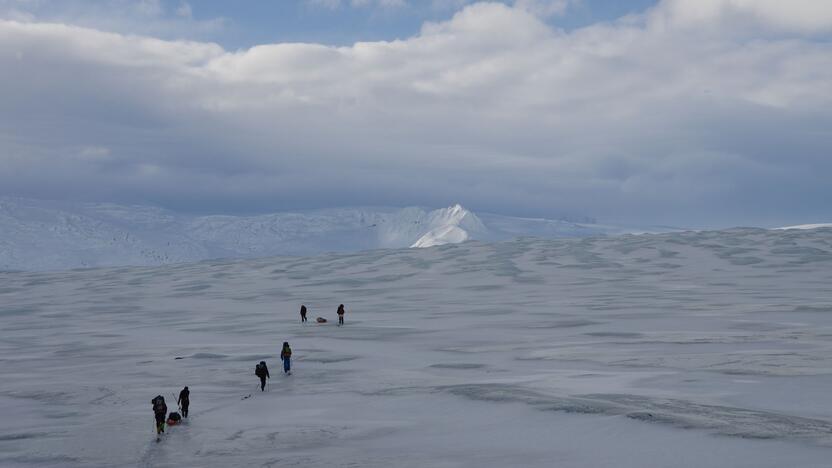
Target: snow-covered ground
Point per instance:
(808, 226)
(50, 235)
(675, 350)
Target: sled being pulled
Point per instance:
(174, 418)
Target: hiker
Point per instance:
(341, 314)
(160, 410)
(302, 313)
(286, 357)
(263, 372)
(184, 401)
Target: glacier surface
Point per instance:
(685, 349)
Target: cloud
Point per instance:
(336, 4)
(634, 120)
(185, 10)
(802, 16)
(149, 7)
(544, 8)
(144, 17)
(94, 153)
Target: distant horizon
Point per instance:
(576, 218)
(267, 212)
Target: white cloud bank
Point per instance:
(672, 116)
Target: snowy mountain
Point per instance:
(50, 235)
(451, 226)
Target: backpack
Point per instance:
(159, 404)
(260, 370)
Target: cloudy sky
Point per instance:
(684, 112)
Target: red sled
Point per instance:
(174, 419)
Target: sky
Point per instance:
(699, 113)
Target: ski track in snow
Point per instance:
(683, 349)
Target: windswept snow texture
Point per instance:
(42, 235)
(706, 349)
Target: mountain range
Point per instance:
(55, 235)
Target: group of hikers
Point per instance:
(261, 370)
(160, 411)
(340, 313)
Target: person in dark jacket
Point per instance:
(262, 371)
(341, 314)
(184, 401)
(160, 411)
(302, 313)
(286, 357)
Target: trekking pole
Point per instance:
(178, 403)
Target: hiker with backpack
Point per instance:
(341, 314)
(184, 401)
(262, 371)
(286, 357)
(160, 411)
(302, 313)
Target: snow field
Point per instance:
(683, 350)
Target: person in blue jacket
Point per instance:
(286, 357)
